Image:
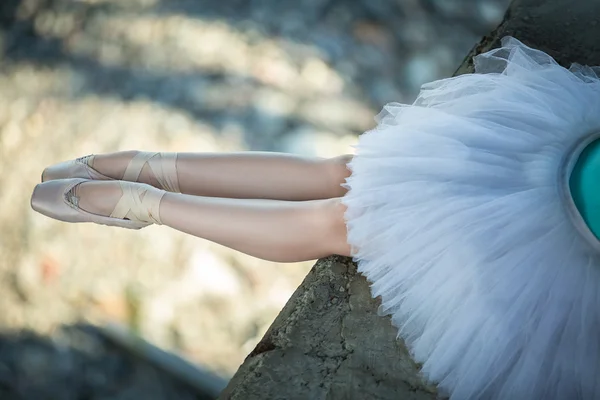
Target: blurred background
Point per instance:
(95, 76)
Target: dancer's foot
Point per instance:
(156, 169)
(119, 203)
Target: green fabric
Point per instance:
(585, 186)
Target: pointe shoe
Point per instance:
(58, 199)
(78, 168)
(164, 168)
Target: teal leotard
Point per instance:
(585, 186)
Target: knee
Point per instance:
(339, 165)
(335, 226)
(338, 171)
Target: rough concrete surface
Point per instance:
(328, 342)
(567, 30)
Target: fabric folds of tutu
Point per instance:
(455, 218)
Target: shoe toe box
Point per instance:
(61, 170)
(48, 198)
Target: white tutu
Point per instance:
(458, 216)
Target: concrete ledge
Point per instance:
(329, 343)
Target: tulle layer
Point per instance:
(456, 219)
